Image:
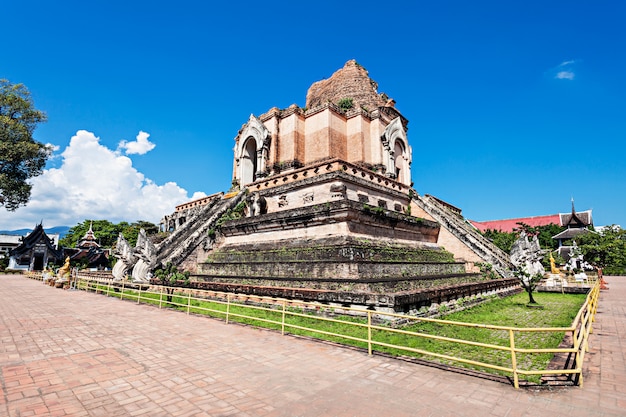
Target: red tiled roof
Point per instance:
(509, 224)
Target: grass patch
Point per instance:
(559, 311)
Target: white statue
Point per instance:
(125, 258)
(527, 255)
(258, 205)
(145, 251)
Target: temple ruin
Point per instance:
(322, 207)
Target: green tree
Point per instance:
(545, 233)
(168, 276)
(21, 157)
(528, 282)
(106, 232)
(131, 231)
(606, 250)
(4, 262)
(503, 240)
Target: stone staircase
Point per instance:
(187, 237)
(459, 227)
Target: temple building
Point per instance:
(349, 145)
(576, 224)
(88, 252)
(322, 207)
(577, 221)
(36, 251)
(345, 119)
(8, 243)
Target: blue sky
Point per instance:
(515, 108)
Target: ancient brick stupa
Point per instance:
(331, 214)
(344, 163)
(330, 203)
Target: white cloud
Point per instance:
(197, 195)
(565, 70)
(141, 146)
(94, 182)
(52, 147)
(565, 75)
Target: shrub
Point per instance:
(345, 103)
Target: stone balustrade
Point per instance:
(325, 167)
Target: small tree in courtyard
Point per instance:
(526, 256)
(529, 282)
(169, 276)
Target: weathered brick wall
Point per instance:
(272, 126)
(334, 270)
(323, 130)
(190, 263)
(417, 211)
(338, 140)
(460, 250)
(450, 242)
(357, 139)
(339, 217)
(374, 152)
(287, 142)
(316, 137)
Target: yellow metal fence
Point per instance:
(276, 313)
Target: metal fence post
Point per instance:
(188, 302)
(577, 360)
(160, 296)
(227, 307)
(282, 328)
(369, 333)
(513, 359)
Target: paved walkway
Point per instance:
(72, 353)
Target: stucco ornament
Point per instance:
(526, 254)
(145, 251)
(125, 258)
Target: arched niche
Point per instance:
(397, 152)
(251, 151)
(248, 161)
(400, 162)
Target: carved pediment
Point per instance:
(255, 129)
(397, 154)
(393, 131)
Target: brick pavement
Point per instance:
(72, 353)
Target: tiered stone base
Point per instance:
(344, 271)
(395, 302)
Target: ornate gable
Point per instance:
(251, 151)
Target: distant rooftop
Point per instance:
(508, 225)
(574, 219)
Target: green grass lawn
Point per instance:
(559, 310)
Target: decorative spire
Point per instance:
(89, 234)
(89, 239)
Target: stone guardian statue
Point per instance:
(145, 251)
(125, 258)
